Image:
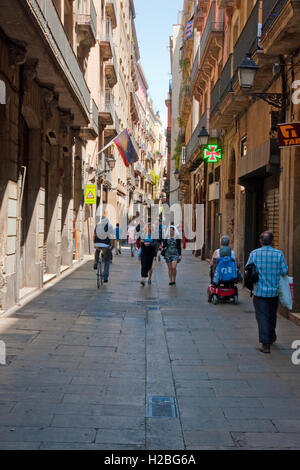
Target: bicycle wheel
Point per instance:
(98, 276)
(101, 272)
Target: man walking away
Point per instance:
(118, 232)
(270, 265)
(104, 241)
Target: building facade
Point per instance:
(67, 74)
(254, 186)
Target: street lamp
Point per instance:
(111, 162)
(203, 136)
(247, 72)
(109, 165)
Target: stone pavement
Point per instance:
(82, 363)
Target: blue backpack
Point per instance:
(226, 270)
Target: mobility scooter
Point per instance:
(224, 277)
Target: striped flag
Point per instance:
(126, 148)
(189, 29)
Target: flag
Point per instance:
(189, 29)
(126, 148)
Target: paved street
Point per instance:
(82, 364)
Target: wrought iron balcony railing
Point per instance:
(87, 16)
(55, 35)
(194, 141)
(271, 11)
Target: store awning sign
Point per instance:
(289, 135)
(90, 194)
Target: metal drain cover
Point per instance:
(161, 407)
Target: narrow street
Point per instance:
(82, 364)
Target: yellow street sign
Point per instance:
(90, 194)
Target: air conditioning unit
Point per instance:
(214, 191)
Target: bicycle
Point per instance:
(100, 273)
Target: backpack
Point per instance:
(105, 241)
(226, 271)
(251, 277)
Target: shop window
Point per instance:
(244, 147)
(210, 178)
(217, 174)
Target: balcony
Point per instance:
(86, 24)
(185, 102)
(107, 109)
(134, 106)
(134, 72)
(41, 29)
(210, 45)
(203, 6)
(111, 11)
(91, 132)
(227, 100)
(198, 19)
(111, 70)
(227, 3)
(280, 30)
(112, 130)
(106, 42)
(193, 145)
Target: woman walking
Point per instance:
(148, 253)
(172, 252)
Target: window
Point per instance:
(244, 147)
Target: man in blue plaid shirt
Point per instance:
(270, 265)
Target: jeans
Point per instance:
(106, 258)
(266, 316)
(117, 246)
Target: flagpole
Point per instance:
(110, 143)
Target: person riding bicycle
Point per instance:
(104, 241)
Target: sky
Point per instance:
(154, 22)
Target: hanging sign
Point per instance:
(212, 153)
(90, 194)
(289, 135)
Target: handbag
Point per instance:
(285, 295)
(163, 252)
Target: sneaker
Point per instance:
(149, 282)
(105, 281)
(143, 283)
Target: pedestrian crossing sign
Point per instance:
(90, 194)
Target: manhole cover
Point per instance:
(161, 407)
